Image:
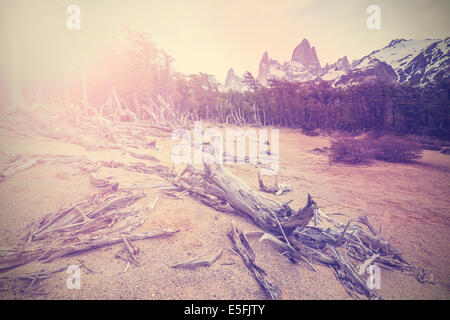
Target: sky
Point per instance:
(213, 35)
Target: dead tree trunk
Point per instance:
(269, 214)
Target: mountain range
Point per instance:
(418, 63)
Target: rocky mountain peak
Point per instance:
(307, 56)
(233, 81)
(265, 57)
(395, 41)
(411, 62)
(343, 63)
(230, 73)
(264, 67)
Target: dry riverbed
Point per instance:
(410, 201)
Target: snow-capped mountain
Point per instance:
(374, 71)
(333, 71)
(409, 62)
(416, 62)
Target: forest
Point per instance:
(135, 76)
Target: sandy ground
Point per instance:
(410, 201)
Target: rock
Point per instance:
(307, 56)
(265, 69)
(233, 81)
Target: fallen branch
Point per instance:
(132, 250)
(29, 280)
(148, 157)
(94, 243)
(103, 182)
(98, 221)
(243, 248)
(199, 261)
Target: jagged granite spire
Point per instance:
(307, 56)
(263, 69)
(233, 81)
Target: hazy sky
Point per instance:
(213, 35)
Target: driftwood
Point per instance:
(132, 250)
(48, 254)
(20, 163)
(141, 156)
(98, 221)
(105, 126)
(340, 248)
(95, 243)
(103, 182)
(128, 253)
(348, 276)
(41, 274)
(341, 251)
(243, 249)
(92, 214)
(110, 218)
(217, 184)
(28, 280)
(199, 261)
(277, 188)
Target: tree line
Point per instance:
(134, 72)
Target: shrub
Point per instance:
(395, 149)
(310, 132)
(365, 150)
(428, 143)
(350, 151)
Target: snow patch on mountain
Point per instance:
(416, 62)
(411, 62)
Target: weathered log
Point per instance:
(267, 213)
